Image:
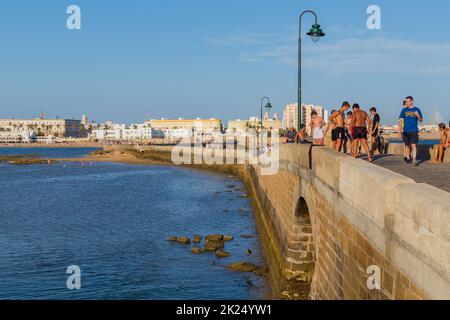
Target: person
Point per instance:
(339, 119)
(291, 135)
(375, 130)
(317, 124)
(360, 122)
(409, 128)
(301, 135)
(439, 149)
(331, 124)
(348, 140)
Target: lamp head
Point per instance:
(316, 33)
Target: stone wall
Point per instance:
(336, 217)
(424, 151)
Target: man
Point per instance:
(409, 128)
(338, 118)
(291, 135)
(375, 130)
(360, 122)
(331, 124)
(317, 124)
(348, 134)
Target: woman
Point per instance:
(439, 149)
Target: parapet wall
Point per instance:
(336, 218)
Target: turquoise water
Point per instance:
(112, 220)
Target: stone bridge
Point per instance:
(334, 220)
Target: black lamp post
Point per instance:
(315, 33)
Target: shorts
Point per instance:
(339, 133)
(410, 138)
(360, 133)
(333, 135)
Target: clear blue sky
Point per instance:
(135, 59)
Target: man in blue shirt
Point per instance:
(409, 128)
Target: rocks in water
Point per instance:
(222, 254)
(184, 240)
(244, 196)
(248, 252)
(214, 242)
(242, 210)
(228, 238)
(248, 267)
(247, 236)
(243, 267)
(196, 250)
(197, 239)
(174, 239)
(230, 186)
(226, 210)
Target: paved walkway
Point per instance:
(435, 175)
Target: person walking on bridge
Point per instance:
(409, 128)
(360, 122)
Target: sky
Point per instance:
(135, 60)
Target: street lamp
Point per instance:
(315, 33)
(267, 107)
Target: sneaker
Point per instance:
(406, 160)
(415, 163)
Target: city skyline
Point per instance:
(138, 61)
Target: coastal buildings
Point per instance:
(189, 124)
(253, 123)
(119, 132)
(180, 128)
(43, 127)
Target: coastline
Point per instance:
(55, 145)
(279, 283)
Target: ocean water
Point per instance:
(112, 221)
(48, 152)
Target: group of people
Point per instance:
(352, 130)
(349, 130)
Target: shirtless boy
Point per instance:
(360, 122)
(338, 118)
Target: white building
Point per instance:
(121, 132)
(18, 136)
(43, 127)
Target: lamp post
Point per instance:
(267, 107)
(315, 33)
